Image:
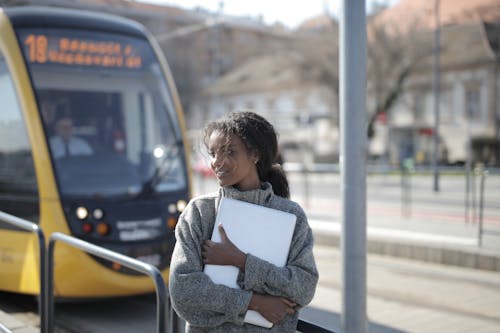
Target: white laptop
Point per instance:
(264, 232)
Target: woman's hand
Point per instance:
(273, 308)
(223, 253)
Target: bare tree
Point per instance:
(320, 50)
(393, 56)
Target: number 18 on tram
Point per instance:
(91, 145)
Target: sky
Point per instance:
(290, 13)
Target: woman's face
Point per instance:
(232, 163)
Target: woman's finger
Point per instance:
(289, 302)
(222, 232)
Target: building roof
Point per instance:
(464, 45)
(410, 14)
(273, 72)
(320, 23)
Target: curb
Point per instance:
(445, 250)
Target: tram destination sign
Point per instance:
(88, 49)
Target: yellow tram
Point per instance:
(92, 144)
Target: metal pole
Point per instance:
(436, 88)
(484, 173)
(405, 191)
(474, 195)
(175, 321)
(468, 171)
(49, 288)
(34, 228)
(353, 164)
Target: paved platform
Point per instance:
(12, 324)
(409, 296)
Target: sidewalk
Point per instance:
(423, 245)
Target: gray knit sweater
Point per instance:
(208, 307)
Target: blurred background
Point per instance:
(285, 67)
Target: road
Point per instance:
(416, 208)
(323, 192)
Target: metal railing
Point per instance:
(4, 329)
(304, 326)
(481, 230)
(34, 228)
(163, 304)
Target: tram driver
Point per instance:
(64, 143)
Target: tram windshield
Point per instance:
(107, 111)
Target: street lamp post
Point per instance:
(353, 164)
(436, 88)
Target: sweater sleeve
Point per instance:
(194, 296)
(297, 280)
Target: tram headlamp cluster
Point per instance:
(102, 228)
(179, 206)
(174, 208)
(82, 213)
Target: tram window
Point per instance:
(18, 187)
(120, 106)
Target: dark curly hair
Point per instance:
(257, 135)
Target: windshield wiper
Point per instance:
(162, 169)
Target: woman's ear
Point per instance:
(254, 157)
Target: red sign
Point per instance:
(426, 131)
(382, 117)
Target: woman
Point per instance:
(243, 146)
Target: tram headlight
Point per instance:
(181, 205)
(172, 208)
(82, 213)
(158, 152)
(98, 214)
